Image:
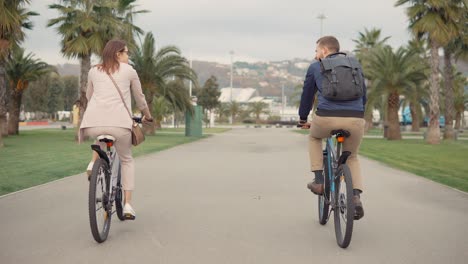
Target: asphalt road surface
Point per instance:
(237, 197)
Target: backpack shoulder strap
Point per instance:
(354, 63)
(326, 64)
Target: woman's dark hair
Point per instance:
(110, 63)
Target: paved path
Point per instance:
(237, 197)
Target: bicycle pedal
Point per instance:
(129, 217)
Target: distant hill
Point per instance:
(68, 69)
(267, 77)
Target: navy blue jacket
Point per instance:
(312, 84)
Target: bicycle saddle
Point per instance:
(106, 138)
(343, 132)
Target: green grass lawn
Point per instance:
(379, 132)
(446, 163)
(39, 156)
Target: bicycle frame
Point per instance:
(112, 159)
(332, 158)
(114, 162)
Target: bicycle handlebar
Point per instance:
(137, 119)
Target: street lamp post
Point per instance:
(231, 53)
(282, 102)
(321, 17)
(190, 83)
(231, 117)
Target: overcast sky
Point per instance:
(256, 30)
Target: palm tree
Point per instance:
(156, 68)
(368, 41)
(258, 108)
(223, 111)
(429, 20)
(21, 69)
(458, 46)
(461, 99)
(86, 26)
(176, 93)
(418, 97)
(415, 98)
(14, 17)
(234, 110)
(126, 12)
(394, 74)
(160, 109)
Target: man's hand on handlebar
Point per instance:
(303, 124)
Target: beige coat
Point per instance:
(105, 107)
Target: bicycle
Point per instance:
(338, 188)
(105, 188)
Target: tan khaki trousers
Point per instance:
(123, 146)
(321, 128)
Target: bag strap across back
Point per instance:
(121, 96)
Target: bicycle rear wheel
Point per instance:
(344, 207)
(98, 202)
(323, 200)
(119, 197)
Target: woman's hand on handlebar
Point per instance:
(147, 120)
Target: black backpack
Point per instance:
(342, 78)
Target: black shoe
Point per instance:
(358, 209)
(316, 188)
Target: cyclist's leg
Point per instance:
(93, 132)
(123, 146)
(356, 127)
(318, 130)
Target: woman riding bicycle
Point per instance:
(106, 113)
(333, 115)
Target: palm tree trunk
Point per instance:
(83, 101)
(3, 95)
(457, 120)
(368, 118)
(369, 111)
(414, 117)
(150, 129)
(394, 132)
(433, 129)
(157, 124)
(449, 109)
(14, 110)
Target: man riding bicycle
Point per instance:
(328, 77)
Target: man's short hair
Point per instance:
(330, 42)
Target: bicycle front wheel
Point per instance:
(344, 206)
(324, 199)
(98, 202)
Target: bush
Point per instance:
(274, 118)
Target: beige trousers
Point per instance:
(321, 128)
(123, 146)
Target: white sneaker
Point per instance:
(128, 212)
(89, 169)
